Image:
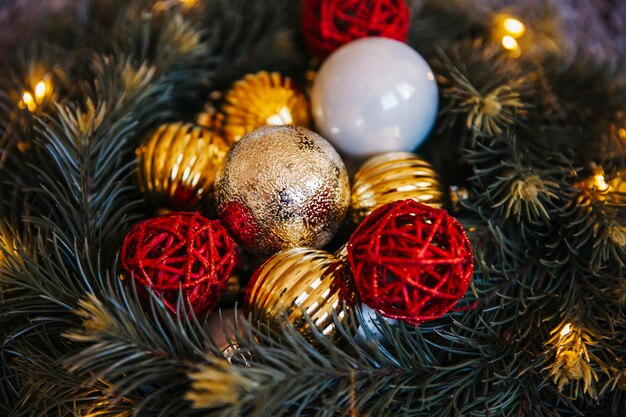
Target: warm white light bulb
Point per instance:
(514, 27)
(509, 42)
(29, 101)
(566, 330)
(40, 90)
(188, 4)
(600, 182)
(27, 98)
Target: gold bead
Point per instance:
(392, 177)
(301, 280)
(263, 99)
(177, 164)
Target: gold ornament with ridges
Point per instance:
(390, 177)
(177, 164)
(263, 99)
(301, 280)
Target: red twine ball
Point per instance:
(410, 261)
(180, 251)
(328, 24)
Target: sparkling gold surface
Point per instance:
(282, 187)
(263, 99)
(177, 164)
(301, 280)
(392, 177)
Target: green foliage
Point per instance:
(526, 137)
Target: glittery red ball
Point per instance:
(328, 24)
(180, 251)
(410, 261)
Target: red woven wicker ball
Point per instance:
(180, 251)
(328, 24)
(410, 261)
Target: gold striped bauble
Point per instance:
(263, 99)
(394, 176)
(301, 280)
(177, 164)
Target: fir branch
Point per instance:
(443, 21)
(480, 81)
(250, 37)
(76, 340)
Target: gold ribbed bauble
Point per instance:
(177, 164)
(301, 280)
(390, 177)
(263, 99)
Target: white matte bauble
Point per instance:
(374, 95)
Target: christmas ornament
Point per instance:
(410, 261)
(328, 24)
(282, 187)
(296, 281)
(263, 99)
(225, 329)
(374, 95)
(177, 164)
(391, 177)
(180, 251)
(370, 327)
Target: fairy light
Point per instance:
(597, 187)
(572, 362)
(508, 29)
(509, 42)
(188, 4)
(31, 99)
(29, 102)
(600, 183)
(513, 27)
(40, 90)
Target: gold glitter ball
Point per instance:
(282, 187)
(263, 99)
(177, 164)
(390, 177)
(299, 281)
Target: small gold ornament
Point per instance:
(282, 187)
(391, 177)
(178, 163)
(263, 99)
(301, 280)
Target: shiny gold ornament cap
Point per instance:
(177, 164)
(263, 99)
(301, 281)
(394, 176)
(282, 187)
